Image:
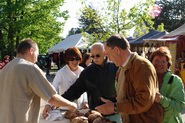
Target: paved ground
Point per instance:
(50, 78)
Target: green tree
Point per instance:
(118, 21)
(140, 17)
(172, 14)
(91, 22)
(30, 19)
(74, 31)
(113, 18)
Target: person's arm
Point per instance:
(175, 101)
(43, 88)
(48, 106)
(57, 101)
(76, 90)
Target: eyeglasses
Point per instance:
(74, 58)
(160, 62)
(97, 56)
(110, 52)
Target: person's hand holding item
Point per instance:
(85, 105)
(46, 110)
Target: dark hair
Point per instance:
(162, 51)
(25, 45)
(72, 52)
(86, 56)
(119, 41)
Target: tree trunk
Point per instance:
(11, 46)
(2, 46)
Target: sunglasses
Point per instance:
(97, 56)
(74, 58)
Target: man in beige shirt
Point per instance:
(23, 84)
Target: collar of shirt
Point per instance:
(125, 63)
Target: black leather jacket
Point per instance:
(97, 81)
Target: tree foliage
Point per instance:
(30, 19)
(172, 15)
(90, 21)
(140, 17)
(74, 31)
(113, 18)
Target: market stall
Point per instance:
(176, 45)
(76, 40)
(137, 44)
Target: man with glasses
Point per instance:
(136, 87)
(98, 80)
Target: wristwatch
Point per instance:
(115, 108)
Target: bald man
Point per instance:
(98, 79)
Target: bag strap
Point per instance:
(170, 80)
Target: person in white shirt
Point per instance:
(68, 74)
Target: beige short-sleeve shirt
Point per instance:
(22, 84)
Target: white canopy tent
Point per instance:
(77, 40)
(179, 31)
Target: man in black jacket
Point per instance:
(98, 79)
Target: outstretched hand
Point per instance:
(107, 108)
(46, 110)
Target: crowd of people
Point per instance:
(120, 84)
